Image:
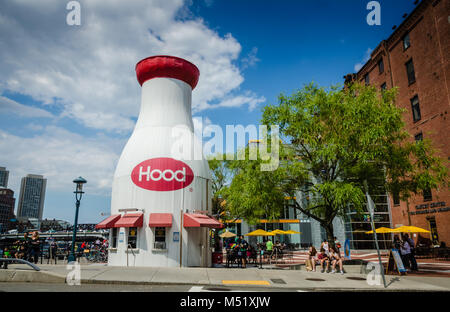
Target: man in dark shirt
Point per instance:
(25, 242)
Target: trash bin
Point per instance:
(217, 257)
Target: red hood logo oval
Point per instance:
(162, 174)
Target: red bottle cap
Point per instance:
(165, 66)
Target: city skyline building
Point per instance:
(31, 198)
(7, 203)
(4, 175)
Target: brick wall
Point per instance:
(428, 27)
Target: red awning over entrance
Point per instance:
(160, 220)
(199, 220)
(130, 220)
(108, 222)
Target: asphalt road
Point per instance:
(47, 287)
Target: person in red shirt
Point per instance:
(322, 257)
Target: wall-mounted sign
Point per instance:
(176, 236)
(121, 237)
(431, 205)
(162, 174)
(444, 209)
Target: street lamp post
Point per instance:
(78, 194)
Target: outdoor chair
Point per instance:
(253, 259)
(232, 257)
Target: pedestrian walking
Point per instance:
(269, 247)
(35, 247)
(242, 251)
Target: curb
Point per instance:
(308, 289)
(17, 275)
(29, 276)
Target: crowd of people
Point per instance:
(28, 248)
(241, 252)
(327, 256)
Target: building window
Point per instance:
(114, 238)
(415, 108)
(383, 87)
(380, 66)
(396, 198)
(418, 137)
(132, 237)
(160, 238)
(427, 196)
(406, 42)
(410, 71)
(366, 79)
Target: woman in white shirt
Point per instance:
(325, 246)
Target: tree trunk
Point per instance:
(330, 233)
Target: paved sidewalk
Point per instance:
(267, 277)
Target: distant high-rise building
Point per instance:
(7, 202)
(31, 198)
(4, 174)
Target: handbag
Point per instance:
(308, 265)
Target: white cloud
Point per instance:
(358, 66)
(88, 70)
(250, 59)
(8, 106)
(248, 98)
(61, 156)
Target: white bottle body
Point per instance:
(165, 109)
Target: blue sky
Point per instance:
(69, 97)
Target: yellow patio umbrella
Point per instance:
(259, 233)
(382, 230)
(227, 234)
(292, 232)
(409, 229)
(278, 232)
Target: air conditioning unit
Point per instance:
(159, 245)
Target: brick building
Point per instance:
(416, 59)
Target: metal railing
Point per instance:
(129, 247)
(14, 260)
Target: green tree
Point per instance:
(334, 141)
(221, 176)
